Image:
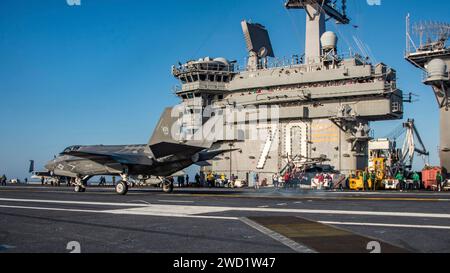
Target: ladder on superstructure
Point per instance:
(273, 132)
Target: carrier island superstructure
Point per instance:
(325, 101)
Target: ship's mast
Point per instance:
(433, 57)
(316, 13)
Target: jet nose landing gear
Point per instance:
(80, 184)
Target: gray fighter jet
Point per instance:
(163, 156)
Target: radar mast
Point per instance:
(316, 13)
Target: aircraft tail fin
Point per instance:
(164, 129)
(169, 130)
(31, 168)
(169, 137)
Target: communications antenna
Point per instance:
(433, 57)
(318, 12)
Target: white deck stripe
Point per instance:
(74, 202)
(385, 225)
(343, 212)
(50, 209)
(211, 209)
(124, 212)
(176, 201)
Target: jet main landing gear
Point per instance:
(167, 185)
(122, 186)
(79, 188)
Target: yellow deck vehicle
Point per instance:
(356, 182)
(379, 166)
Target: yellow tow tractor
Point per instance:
(356, 180)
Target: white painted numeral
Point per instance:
(374, 247)
(74, 247)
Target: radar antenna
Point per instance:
(433, 57)
(317, 11)
(432, 35)
(327, 6)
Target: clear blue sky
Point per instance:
(99, 73)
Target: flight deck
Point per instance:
(38, 219)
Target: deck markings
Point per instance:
(385, 225)
(147, 212)
(320, 237)
(124, 212)
(177, 201)
(325, 198)
(214, 209)
(297, 247)
(75, 202)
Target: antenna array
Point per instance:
(432, 32)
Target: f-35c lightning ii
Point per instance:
(163, 156)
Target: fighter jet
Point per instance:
(163, 156)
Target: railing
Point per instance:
(204, 68)
(199, 85)
(295, 60)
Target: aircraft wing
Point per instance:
(164, 149)
(204, 157)
(104, 157)
(209, 155)
(203, 164)
(42, 174)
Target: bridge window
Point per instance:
(397, 107)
